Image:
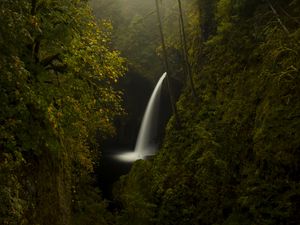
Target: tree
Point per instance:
(57, 73)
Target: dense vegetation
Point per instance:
(234, 157)
(57, 72)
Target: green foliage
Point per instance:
(207, 13)
(87, 204)
(57, 72)
(133, 191)
(10, 190)
(234, 158)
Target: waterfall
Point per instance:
(145, 144)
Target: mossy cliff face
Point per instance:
(234, 157)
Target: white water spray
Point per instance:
(145, 145)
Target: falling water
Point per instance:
(145, 144)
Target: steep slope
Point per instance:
(56, 76)
(234, 158)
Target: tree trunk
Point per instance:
(184, 45)
(166, 62)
